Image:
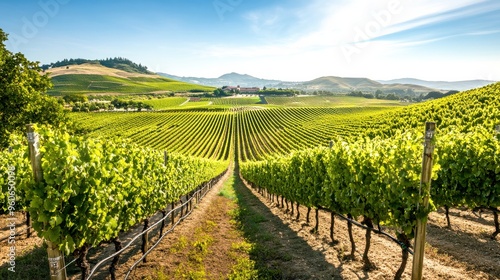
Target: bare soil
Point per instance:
(21, 243)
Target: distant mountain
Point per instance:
(458, 85)
(330, 83)
(339, 84)
(230, 79)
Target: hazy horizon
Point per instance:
(284, 40)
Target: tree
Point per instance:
(72, 98)
(434, 95)
(23, 97)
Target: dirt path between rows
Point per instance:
(275, 251)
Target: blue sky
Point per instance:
(289, 39)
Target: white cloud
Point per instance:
(423, 13)
(344, 22)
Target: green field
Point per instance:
(92, 84)
(330, 101)
(256, 102)
(259, 132)
(260, 129)
(166, 103)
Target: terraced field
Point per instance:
(93, 84)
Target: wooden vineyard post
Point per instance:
(145, 240)
(56, 257)
(425, 182)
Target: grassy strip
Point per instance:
(263, 252)
(240, 251)
(193, 252)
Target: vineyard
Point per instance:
(166, 103)
(361, 163)
(201, 134)
(207, 133)
(70, 207)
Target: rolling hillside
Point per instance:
(229, 79)
(328, 83)
(340, 84)
(97, 79)
(444, 85)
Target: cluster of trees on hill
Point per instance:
(116, 63)
(130, 105)
(378, 95)
(218, 92)
(437, 94)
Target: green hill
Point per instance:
(119, 63)
(340, 84)
(93, 78)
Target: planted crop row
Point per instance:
(281, 130)
(461, 112)
(165, 103)
(94, 188)
(375, 179)
(201, 134)
(467, 150)
(208, 133)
